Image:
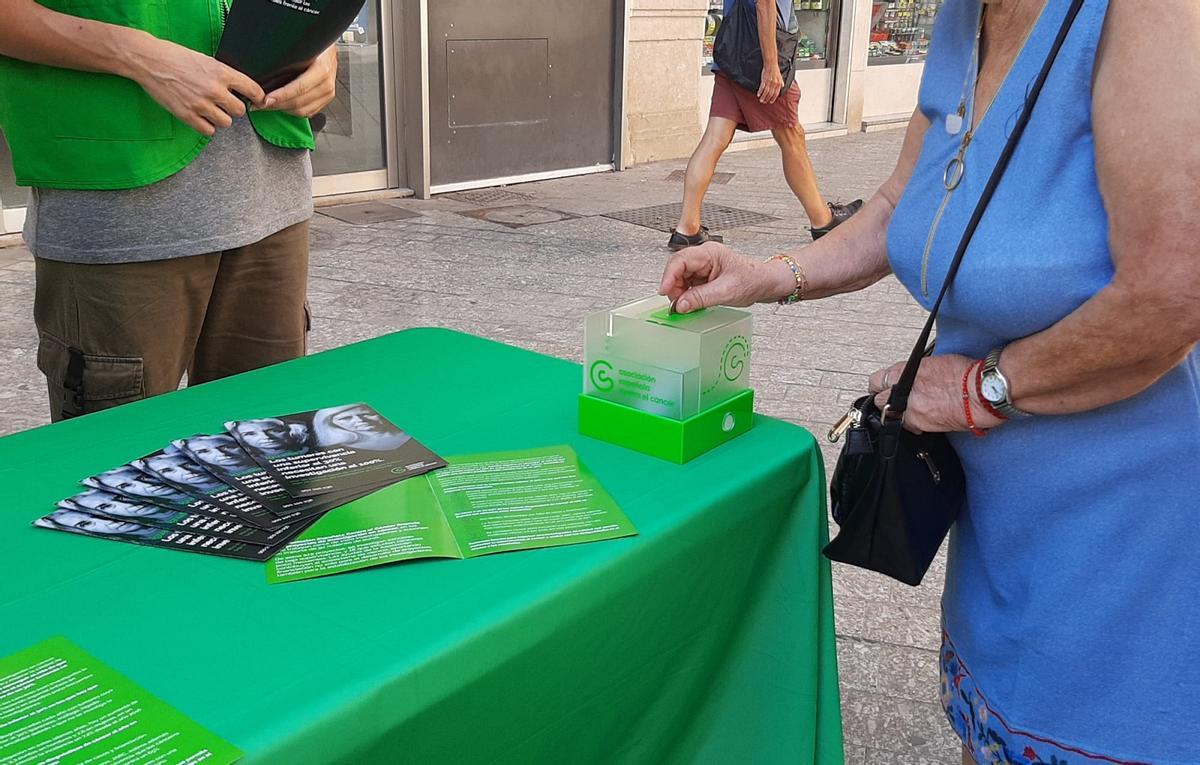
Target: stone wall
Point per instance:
(662, 66)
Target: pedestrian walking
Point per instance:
(772, 107)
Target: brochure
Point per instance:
(338, 448)
(103, 504)
(152, 536)
(274, 40)
(131, 483)
(60, 705)
(172, 466)
(206, 493)
(478, 505)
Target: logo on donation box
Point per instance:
(600, 374)
(644, 387)
(733, 358)
(733, 363)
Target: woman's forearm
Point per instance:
(1112, 347)
(851, 257)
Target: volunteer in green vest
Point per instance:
(170, 196)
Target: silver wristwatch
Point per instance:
(995, 389)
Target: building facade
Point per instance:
(445, 95)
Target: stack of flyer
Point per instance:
(248, 491)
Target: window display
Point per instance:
(816, 19)
(816, 23)
(901, 30)
(350, 129)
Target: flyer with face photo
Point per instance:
(223, 456)
(339, 448)
(74, 522)
(103, 504)
(175, 466)
(131, 483)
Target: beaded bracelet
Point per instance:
(966, 398)
(801, 279)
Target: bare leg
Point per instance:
(967, 758)
(700, 171)
(798, 170)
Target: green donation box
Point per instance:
(670, 385)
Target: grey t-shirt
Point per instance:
(240, 190)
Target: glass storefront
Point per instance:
(350, 131)
(901, 30)
(818, 30)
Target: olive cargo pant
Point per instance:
(109, 334)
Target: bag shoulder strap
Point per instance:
(898, 399)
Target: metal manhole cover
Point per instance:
(718, 178)
(365, 213)
(489, 197)
(716, 217)
(518, 216)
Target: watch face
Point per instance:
(994, 390)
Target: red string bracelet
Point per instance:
(966, 397)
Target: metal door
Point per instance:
(519, 88)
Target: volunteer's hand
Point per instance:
(771, 85)
(196, 88)
(311, 91)
(713, 274)
(935, 404)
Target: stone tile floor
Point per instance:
(532, 286)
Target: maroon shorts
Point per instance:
(733, 102)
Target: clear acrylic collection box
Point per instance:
(671, 365)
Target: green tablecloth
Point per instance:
(707, 638)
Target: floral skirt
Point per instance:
(987, 736)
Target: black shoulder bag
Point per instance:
(738, 54)
(895, 494)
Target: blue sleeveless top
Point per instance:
(1072, 601)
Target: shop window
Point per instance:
(817, 20)
(817, 29)
(901, 30)
(711, 23)
(350, 130)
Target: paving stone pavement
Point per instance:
(532, 286)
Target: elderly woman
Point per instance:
(1072, 606)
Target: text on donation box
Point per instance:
(641, 386)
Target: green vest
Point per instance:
(81, 130)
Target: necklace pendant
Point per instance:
(954, 123)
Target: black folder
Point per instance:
(273, 41)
